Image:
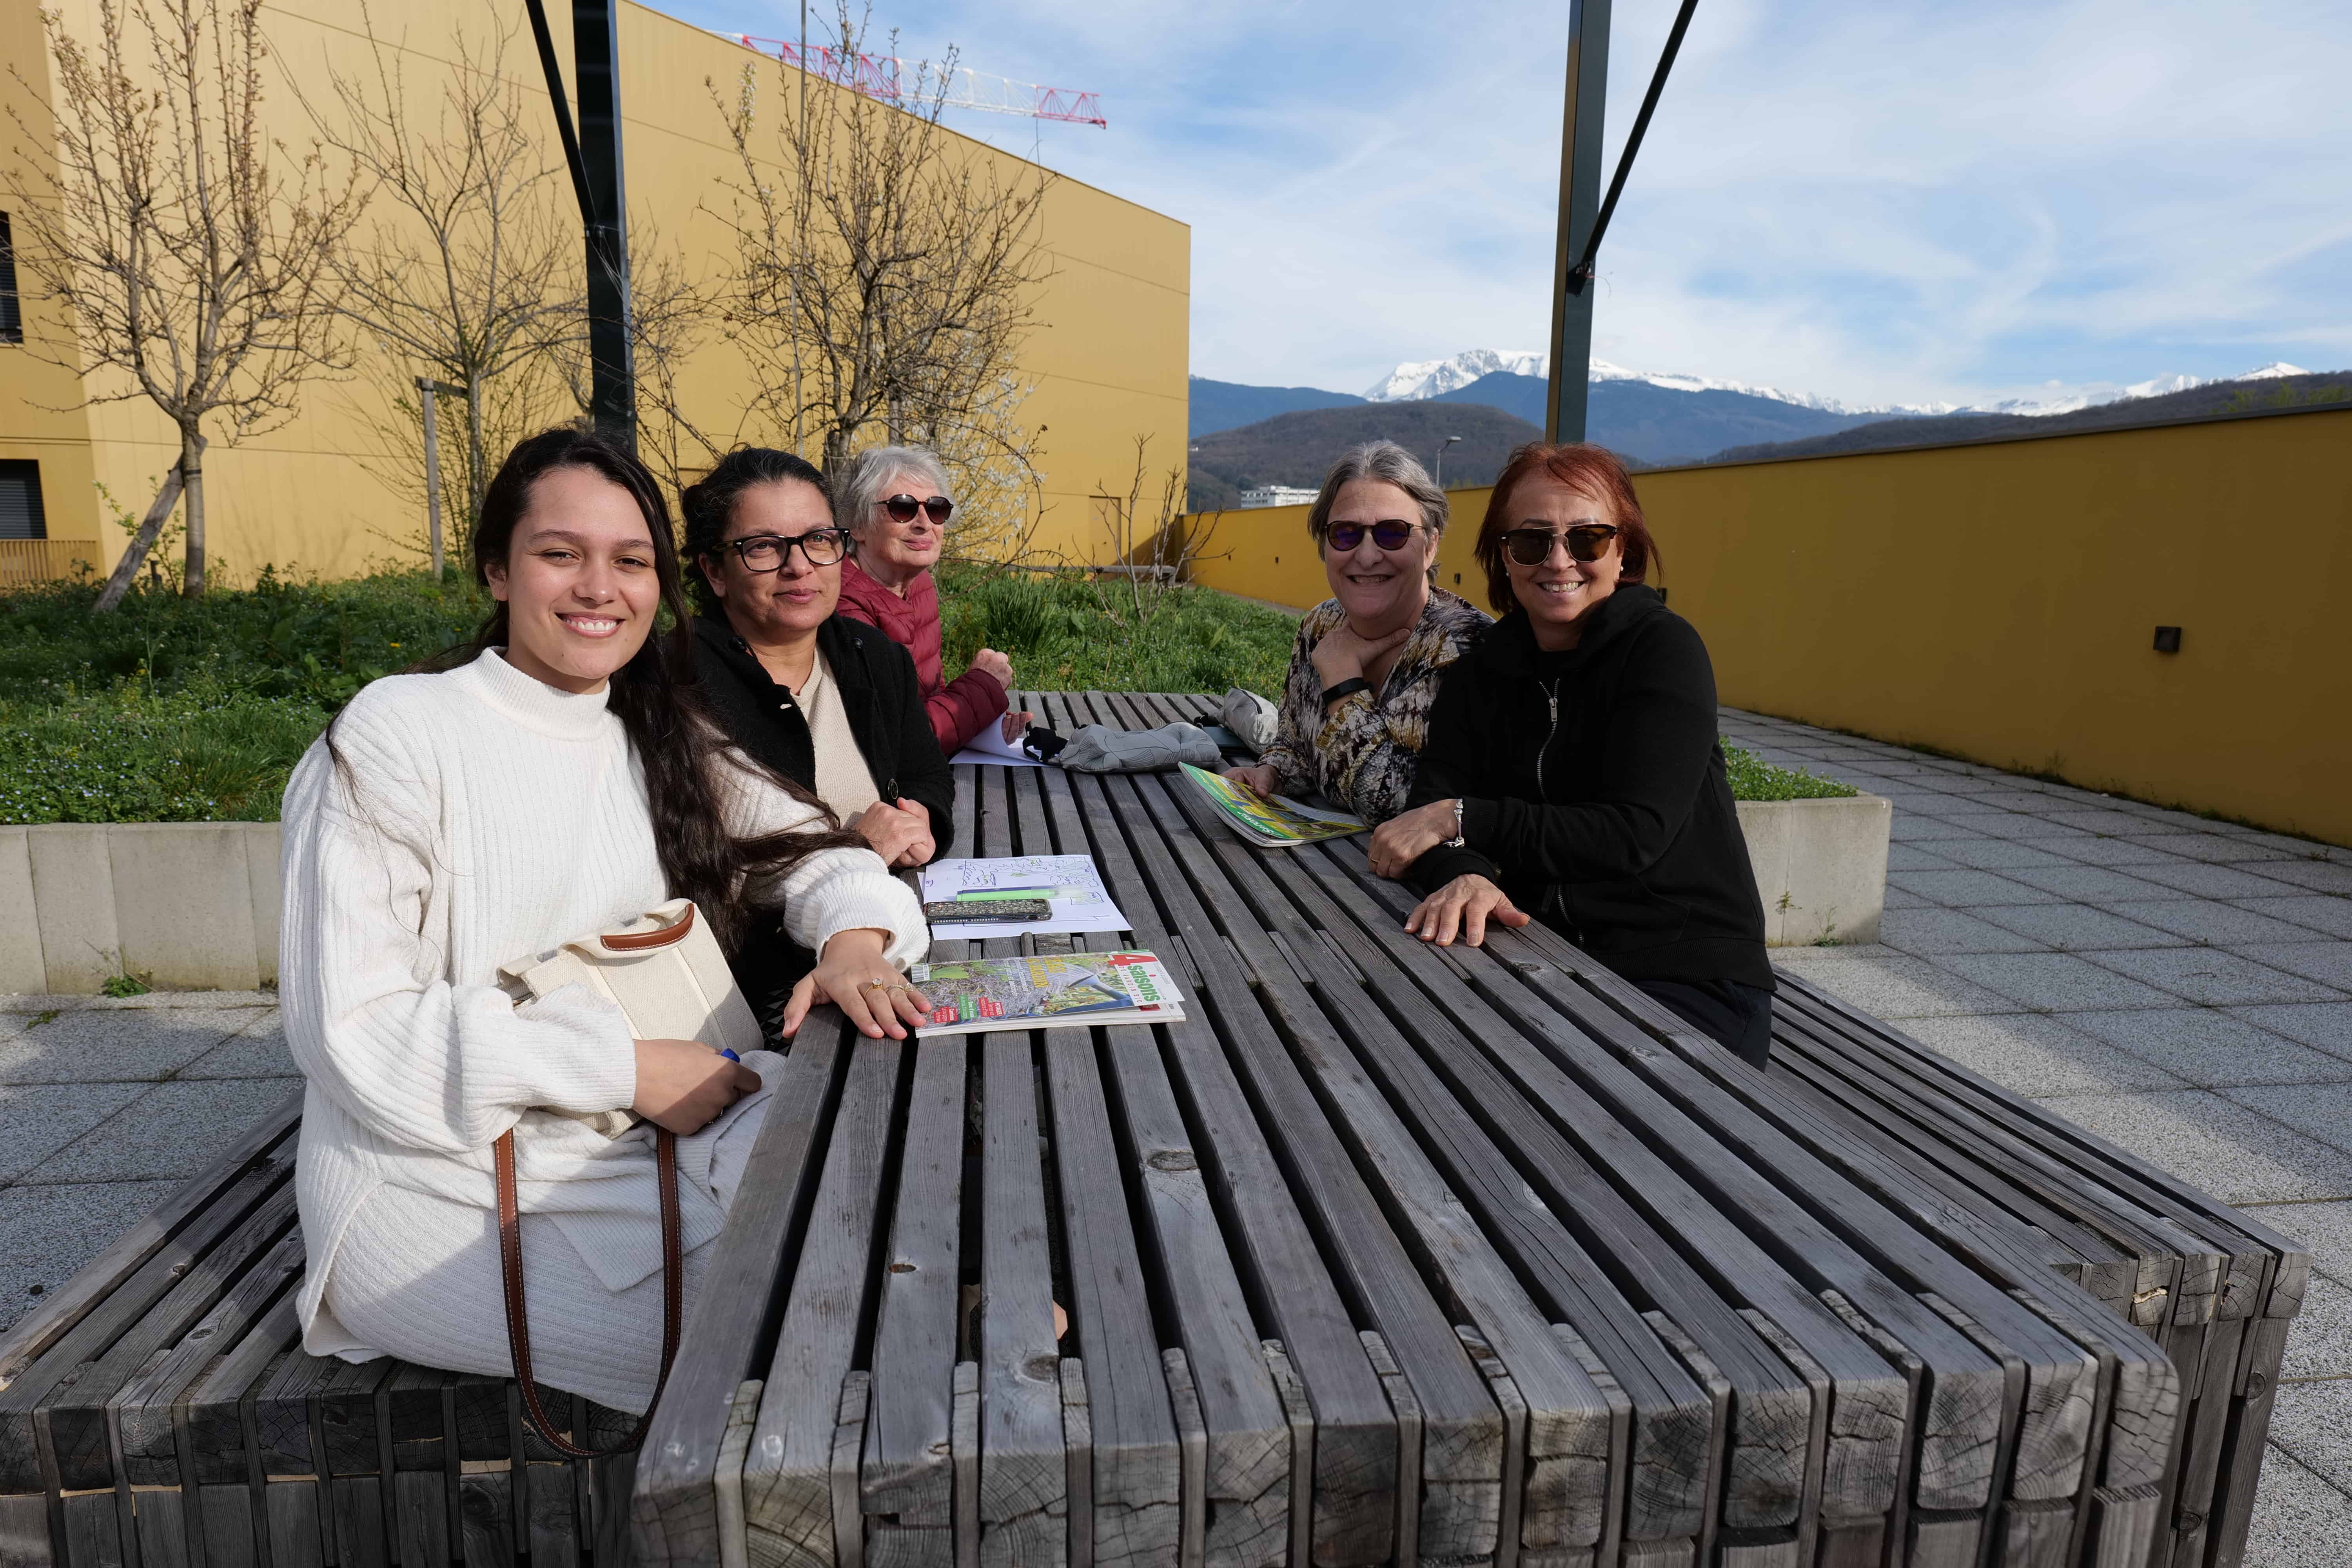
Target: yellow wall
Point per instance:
(2000, 601)
(1109, 357)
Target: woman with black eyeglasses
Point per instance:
(1572, 772)
(1365, 669)
(893, 504)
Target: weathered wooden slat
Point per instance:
(145, 1439)
(1023, 1483)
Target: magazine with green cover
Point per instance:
(1270, 821)
(1046, 991)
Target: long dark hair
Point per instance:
(709, 504)
(661, 708)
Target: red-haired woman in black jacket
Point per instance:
(1572, 772)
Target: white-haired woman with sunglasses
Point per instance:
(1355, 708)
(894, 503)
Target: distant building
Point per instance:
(1278, 495)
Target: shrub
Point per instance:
(1753, 778)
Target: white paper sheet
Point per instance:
(1080, 902)
(990, 747)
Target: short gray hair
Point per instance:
(1390, 465)
(859, 485)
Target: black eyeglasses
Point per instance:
(768, 552)
(1389, 534)
(1532, 546)
(902, 508)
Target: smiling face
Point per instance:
(900, 549)
(1380, 589)
(579, 580)
(1559, 592)
(784, 607)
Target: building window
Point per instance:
(11, 322)
(20, 501)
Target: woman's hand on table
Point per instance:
(683, 1085)
(1464, 904)
(1404, 839)
(1016, 724)
(900, 833)
(1343, 655)
(854, 973)
(1259, 780)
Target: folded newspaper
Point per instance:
(1271, 821)
(1048, 990)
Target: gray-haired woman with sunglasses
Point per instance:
(1355, 708)
(894, 503)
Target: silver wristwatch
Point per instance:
(1456, 841)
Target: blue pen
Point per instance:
(732, 1057)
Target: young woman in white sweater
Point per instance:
(554, 778)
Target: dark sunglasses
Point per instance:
(769, 552)
(1532, 546)
(902, 508)
(1389, 534)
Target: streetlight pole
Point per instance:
(1441, 458)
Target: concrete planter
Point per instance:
(186, 906)
(1820, 866)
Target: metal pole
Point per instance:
(595, 58)
(432, 476)
(1579, 203)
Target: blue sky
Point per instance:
(1876, 202)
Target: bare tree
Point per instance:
(189, 250)
(467, 273)
(883, 290)
(1151, 551)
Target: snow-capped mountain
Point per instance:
(1432, 378)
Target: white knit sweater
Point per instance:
(494, 818)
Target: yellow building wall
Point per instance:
(1107, 358)
(2000, 601)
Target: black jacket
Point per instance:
(1608, 815)
(876, 677)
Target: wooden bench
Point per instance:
(1389, 1253)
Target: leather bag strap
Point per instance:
(518, 1322)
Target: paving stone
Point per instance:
(2324, 1024)
(2330, 962)
(36, 1119)
(2054, 982)
(1996, 854)
(173, 1129)
(1904, 899)
(1835, 950)
(2019, 827)
(2332, 876)
(2300, 1521)
(2325, 1228)
(1969, 890)
(2214, 1143)
(1919, 828)
(2320, 1344)
(34, 1002)
(2092, 851)
(2311, 1422)
(47, 1233)
(2097, 884)
(259, 1052)
(1894, 988)
(1936, 930)
(2320, 1110)
(1915, 857)
(2218, 849)
(2034, 1055)
(147, 1047)
(2318, 911)
(2214, 881)
(2100, 819)
(2079, 927)
(2212, 1048)
(2214, 976)
(2211, 920)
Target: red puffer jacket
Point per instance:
(959, 709)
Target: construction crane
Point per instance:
(884, 78)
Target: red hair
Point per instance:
(1594, 471)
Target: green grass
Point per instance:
(1752, 778)
(1055, 631)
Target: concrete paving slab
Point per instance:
(2311, 1422)
(1917, 827)
(2092, 849)
(1997, 854)
(47, 1233)
(88, 1047)
(2054, 982)
(1916, 857)
(171, 1130)
(259, 1052)
(2097, 884)
(1927, 931)
(2236, 1153)
(2329, 876)
(2078, 927)
(2214, 976)
(2317, 911)
(2320, 1344)
(2101, 819)
(2209, 921)
(2216, 849)
(76, 1002)
(1969, 890)
(2325, 1026)
(2328, 963)
(2301, 1521)
(2216, 881)
(2212, 1049)
(2321, 1111)
(36, 1119)
(1895, 989)
(2036, 1056)
(2325, 1228)
(1904, 899)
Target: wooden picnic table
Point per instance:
(1390, 1253)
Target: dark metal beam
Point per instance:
(1579, 202)
(594, 154)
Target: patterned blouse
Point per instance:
(1362, 752)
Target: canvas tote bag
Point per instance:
(666, 973)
